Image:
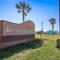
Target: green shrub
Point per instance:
(58, 43)
(39, 41)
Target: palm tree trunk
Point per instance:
(52, 27)
(23, 17)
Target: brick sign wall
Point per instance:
(12, 32)
(26, 28)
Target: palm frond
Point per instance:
(28, 8)
(25, 14)
(17, 6)
(24, 5)
(18, 11)
(52, 21)
(20, 3)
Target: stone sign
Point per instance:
(16, 33)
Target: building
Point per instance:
(12, 33)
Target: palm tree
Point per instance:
(52, 21)
(24, 8)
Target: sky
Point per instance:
(42, 11)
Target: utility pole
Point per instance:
(59, 17)
(41, 26)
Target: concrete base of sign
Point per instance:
(12, 43)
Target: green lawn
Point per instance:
(47, 52)
(29, 51)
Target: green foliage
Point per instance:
(46, 52)
(52, 21)
(24, 8)
(58, 43)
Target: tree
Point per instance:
(52, 21)
(23, 8)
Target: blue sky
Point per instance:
(42, 10)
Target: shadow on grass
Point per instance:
(7, 52)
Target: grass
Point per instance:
(47, 52)
(12, 53)
(29, 51)
(49, 37)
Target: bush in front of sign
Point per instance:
(58, 43)
(37, 43)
